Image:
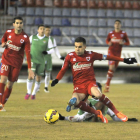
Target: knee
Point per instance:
(9, 85)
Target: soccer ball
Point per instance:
(51, 116)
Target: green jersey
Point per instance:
(38, 45)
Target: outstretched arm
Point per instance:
(62, 71)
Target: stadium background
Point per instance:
(92, 19)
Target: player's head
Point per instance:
(117, 24)
(18, 24)
(47, 30)
(41, 30)
(80, 45)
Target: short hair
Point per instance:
(99, 85)
(80, 39)
(47, 26)
(20, 18)
(40, 26)
(118, 21)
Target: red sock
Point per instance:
(6, 95)
(108, 103)
(109, 76)
(2, 86)
(85, 107)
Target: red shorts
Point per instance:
(11, 72)
(85, 88)
(110, 62)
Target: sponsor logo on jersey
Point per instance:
(88, 58)
(74, 59)
(121, 35)
(13, 47)
(21, 40)
(36, 39)
(112, 34)
(78, 66)
(115, 40)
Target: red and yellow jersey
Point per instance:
(115, 38)
(14, 53)
(81, 66)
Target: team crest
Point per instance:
(44, 41)
(21, 40)
(88, 58)
(121, 35)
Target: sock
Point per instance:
(36, 87)
(47, 79)
(109, 76)
(2, 86)
(108, 103)
(29, 86)
(6, 95)
(85, 107)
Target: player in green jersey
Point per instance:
(48, 58)
(40, 47)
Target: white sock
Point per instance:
(112, 115)
(47, 79)
(29, 86)
(36, 87)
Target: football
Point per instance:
(51, 116)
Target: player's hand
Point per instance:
(31, 74)
(62, 57)
(130, 60)
(4, 45)
(121, 42)
(45, 52)
(54, 82)
(110, 43)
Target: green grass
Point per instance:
(23, 119)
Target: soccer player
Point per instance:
(81, 62)
(115, 39)
(39, 48)
(48, 58)
(15, 41)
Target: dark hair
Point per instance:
(80, 39)
(47, 26)
(117, 21)
(40, 26)
(99, 86)
(20, 18)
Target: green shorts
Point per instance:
(38, 68)
(48, 64)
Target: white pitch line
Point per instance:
(20, 116)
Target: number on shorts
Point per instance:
(4, 67)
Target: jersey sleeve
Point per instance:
(64, 67)
(108, 39)
(54, 43)
(97, 56)
(27, 51)
(4, 38)
(126, 39)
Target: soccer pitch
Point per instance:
(23, 119)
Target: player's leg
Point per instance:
(39, 74)
(30, 82)
(110, 73)
(48, 68)
(36, 86)
(97, 93)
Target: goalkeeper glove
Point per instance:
(130, 60)
(45, 52)
(54, 82)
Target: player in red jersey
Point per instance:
(15, 41)
(115, 39)
(81, 62)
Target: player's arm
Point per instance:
(4, 40)
(50, 47)
(126, 40)
(62, 71)
(98, 56)
(27, 51)
(108, 40)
